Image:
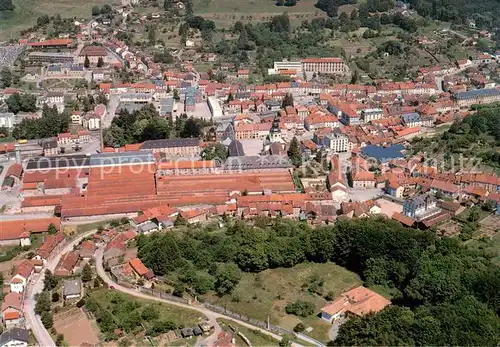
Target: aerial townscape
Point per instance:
(228, 173)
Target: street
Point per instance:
(32, 320)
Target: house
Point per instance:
(445, 188)
(225, 339)
(87, 249)
(113, 251)
(22, 274)
(50, 244)
(72, 289)
(421, 207)
(67, 264)
(50, 148)
(393, 188)
(12, 310)
(356, 302)
(363, 179)
(16, 337)
(140, 270)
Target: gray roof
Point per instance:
(236, 149)
(170, 143)
(14, 334)
(139, 157)
(72, 287)
(257, 162)
(478, 93)
(420, 199)
(58, 162)
(411, 117)
(148, 226)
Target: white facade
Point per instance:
(337, 143)
(372, 114)
(18, 283)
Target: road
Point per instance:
(32, 320)
(212, 316)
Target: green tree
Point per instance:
(100, 62)
(47, 319)
(215, 151)
(294, 152)
(300, 308)
(176, 95)
(52, 229)
(87, 273)
(227, 277)
(5, 78)
(86, 62)
(96, 11)
(55, 297)
(42, 302)
(59, 340)
(6, 5)
(50, 281)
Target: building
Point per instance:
(53, 43)
(478, 96)
(140, 270)
(51, 57)
(214, 107)
(356, 302)
(363, 179)
(371, 114)
(8, 120)
(21, 277)
(336, 142)
(72, 289)
(324, 65)
(93, 53)
(12, 310)
(421, 207)
(50, 148)
(174, 147)
(16, 337)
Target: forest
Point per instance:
(445, 292)
(476, 136)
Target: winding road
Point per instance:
(36, 286)
(212, 316)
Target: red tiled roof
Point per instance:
(138, 266)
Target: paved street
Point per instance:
(36, 286)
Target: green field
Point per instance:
(27, 11)
(255, 337)
(268, 292)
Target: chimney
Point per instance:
(17, 148)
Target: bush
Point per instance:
(300, 308)
(55, 297)
(80, 303)
(47, 319)
(329, 296)
(299, 328)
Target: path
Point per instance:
(212, 316)
(36, 286)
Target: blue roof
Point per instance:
(411, 117)
(383, 154)
(471, 94)
(121, 158)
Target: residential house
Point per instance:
(72, 289)
(87, 249)
(22, 275)
(421, 207)
(356, 302)
(140, 270)
(12, 310)
(67, 264)
(16, 337)
(363, 179)
(50, 148)
(50, 245)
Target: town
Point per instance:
(172, 175)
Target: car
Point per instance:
(22, 141)
(111, 287)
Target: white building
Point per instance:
(337, 142)
(371, 114)
(214, 107)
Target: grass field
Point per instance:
(27, 11)
(490, 246)
(83, 228)
(267, 293)
(225, 12)
(182, 317)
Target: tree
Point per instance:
(230, 97)
(55, 297)
(42, 302)
(167, 5)
(191, 128)
(100, 62)
(6, 5)
(5, 78)
(60, 340)
(50, 281)
(47, 319)
(176, 95)
(473, 214)
(51, 229)
(86, 62)
(21, 103)
(287, 100)
(227, 277)
(215, 151)
(300, 308)
(294, 152)
(86, 273)
(285, 341)
(96, 11)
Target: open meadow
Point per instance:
(265, 294)
(27, 12)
